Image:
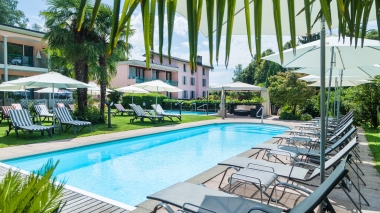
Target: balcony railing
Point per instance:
(142, 80)
(20, 60)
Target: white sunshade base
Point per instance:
(345, 83)
(361, 73)
(268, 26)
(237, 86)
(346, 56)
(157, 86)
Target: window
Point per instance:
(154, 74)
(204, 94)
(204, 82)
(192, 81)
(184, 67)
(192, 94)
(203, 71)
(184, 80)
(132, 73)
(184, 95)
(168, 94)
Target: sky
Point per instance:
(239, 53)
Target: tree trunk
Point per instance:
(81, 74)
(294, 109)
(103, 83)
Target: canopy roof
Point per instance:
(237, 86)
(50, 90)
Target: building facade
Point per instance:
(21, 53)
(178, 74)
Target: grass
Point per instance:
(119, 123)
(373, 138)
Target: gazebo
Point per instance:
(243, 87)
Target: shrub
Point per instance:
(306, 117)
(91, 113)
(115, 96)
(289, 116)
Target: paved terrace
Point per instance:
(82, 201)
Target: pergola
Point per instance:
(243, 87)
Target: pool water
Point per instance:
(130, 169)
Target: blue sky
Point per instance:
(239, 48)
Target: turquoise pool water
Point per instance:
(128, 170)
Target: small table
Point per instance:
(241, 112)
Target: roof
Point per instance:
(21, 30)
(153, 65)
(180, 59)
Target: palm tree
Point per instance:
(351, 14)
(105, 67)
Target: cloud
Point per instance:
(180, 26)
(185, 44)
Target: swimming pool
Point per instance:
(130, 169)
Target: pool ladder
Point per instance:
(262, 114)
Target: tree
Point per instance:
(36, 27)
(287, 89)
(238, 73)
(10, 15)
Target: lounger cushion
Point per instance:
(35, 127)
(245, 174)
(279, 169)
(42, 110)
(77, 123)
(218, 201)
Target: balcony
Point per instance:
(142, 80)
(20, 60)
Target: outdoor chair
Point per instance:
(159, 111)
(272, 150)
(21, 121)
(71, 107)
(140, 113)
(66, 119)
(60, 105)
(5, 112)
(43, 112)
(17, 106)
(292, 173)
(120, 109)
(196, 198)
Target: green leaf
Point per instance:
(198, 16)
(161, 15)
(146, 28)
(220, 6)
(367, 10)
(125, 17)
(359, 13)
(307, 16)
(95, 13)
(230, 23)
(152, 19)
(377, 7)
(81, 13)
(340, 8)
(210, 27)
(171, 8)
(248, 25)
(258, 11)
(115, 25)
(326, 12)
(292, 23)
(190, 26)
(277, 22)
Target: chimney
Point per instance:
(199, 60)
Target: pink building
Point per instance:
(178, 74)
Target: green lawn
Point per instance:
(119, 123)
(373, 138)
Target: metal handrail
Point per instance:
(201, 106)
(262, 114)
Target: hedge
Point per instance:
(139, 99)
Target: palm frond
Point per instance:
(258, 10)
(230, 23)
(171, 8)
(210, 27)
(220, 6)
(161, 15)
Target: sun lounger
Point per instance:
(43, 112)
(21, 121)
(5, 112)
(65, 118)
(17, 106)
(197, 198)
(293, 173)
(120, 109)
(140, 113)
(60, 105)
(158, 109)
(71, 107)
(294, 152)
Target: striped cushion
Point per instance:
(42, 110)
(17, 106)
(63, 115)
(36, 127)
(5, 110)
(136, 110)
(158, 109)
(20, 118)
(120, 108)
(60, 105)
(78, 123)
(140, 110)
